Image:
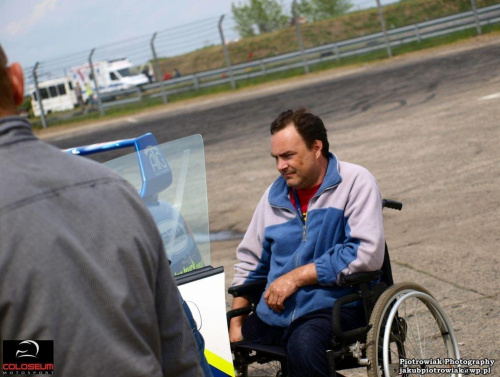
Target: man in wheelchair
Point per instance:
(320, 220)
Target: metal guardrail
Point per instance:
(131, 95)
(314, 55)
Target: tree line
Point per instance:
(254, 17)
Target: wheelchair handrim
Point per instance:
(436, 311)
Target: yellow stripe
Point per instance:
(219, 363)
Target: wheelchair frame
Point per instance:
(381, 344)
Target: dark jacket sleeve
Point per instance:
(180, 356)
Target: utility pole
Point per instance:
(226, 54)
(384, 30)
(40, 105)
(157, 68)
(299, 38)
(99, 103)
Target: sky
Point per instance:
(38, 30)
(45, 30)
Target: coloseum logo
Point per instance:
(27, 357)
(30, 349)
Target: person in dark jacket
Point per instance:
(81, 261)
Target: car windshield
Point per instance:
(125, 72)
(175, 192)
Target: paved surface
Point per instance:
(427, 126)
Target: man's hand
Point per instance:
(279, 290)
(286, 285)
(235, 334)
(236, 323)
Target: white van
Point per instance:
(56, 94)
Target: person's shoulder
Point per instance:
(35, 170)
(350, 166)
(352, 171)
(66, 169)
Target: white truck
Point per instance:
(112, 75)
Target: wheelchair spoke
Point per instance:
(416, 322)
(412, 340)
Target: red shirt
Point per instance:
(304, 196)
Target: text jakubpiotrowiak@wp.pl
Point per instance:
(446, 366)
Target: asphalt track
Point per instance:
(426, 125)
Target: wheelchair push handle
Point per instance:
(393, 204)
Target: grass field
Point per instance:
(350, 25)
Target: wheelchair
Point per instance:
(405, 329)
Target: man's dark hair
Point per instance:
(309, 126)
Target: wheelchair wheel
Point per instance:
(408, 323)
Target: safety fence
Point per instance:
(210, 52)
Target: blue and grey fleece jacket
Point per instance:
(344, 233)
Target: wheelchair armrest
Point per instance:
(365, 293)
(247, 289)
(252, 291)
(338, 333)
(358, 278)
(238, 312)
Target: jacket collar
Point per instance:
(279, 192)
(14, 129)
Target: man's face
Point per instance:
(296, 163)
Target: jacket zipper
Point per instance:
(307, 212)
(304, 223)
(304, 228)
